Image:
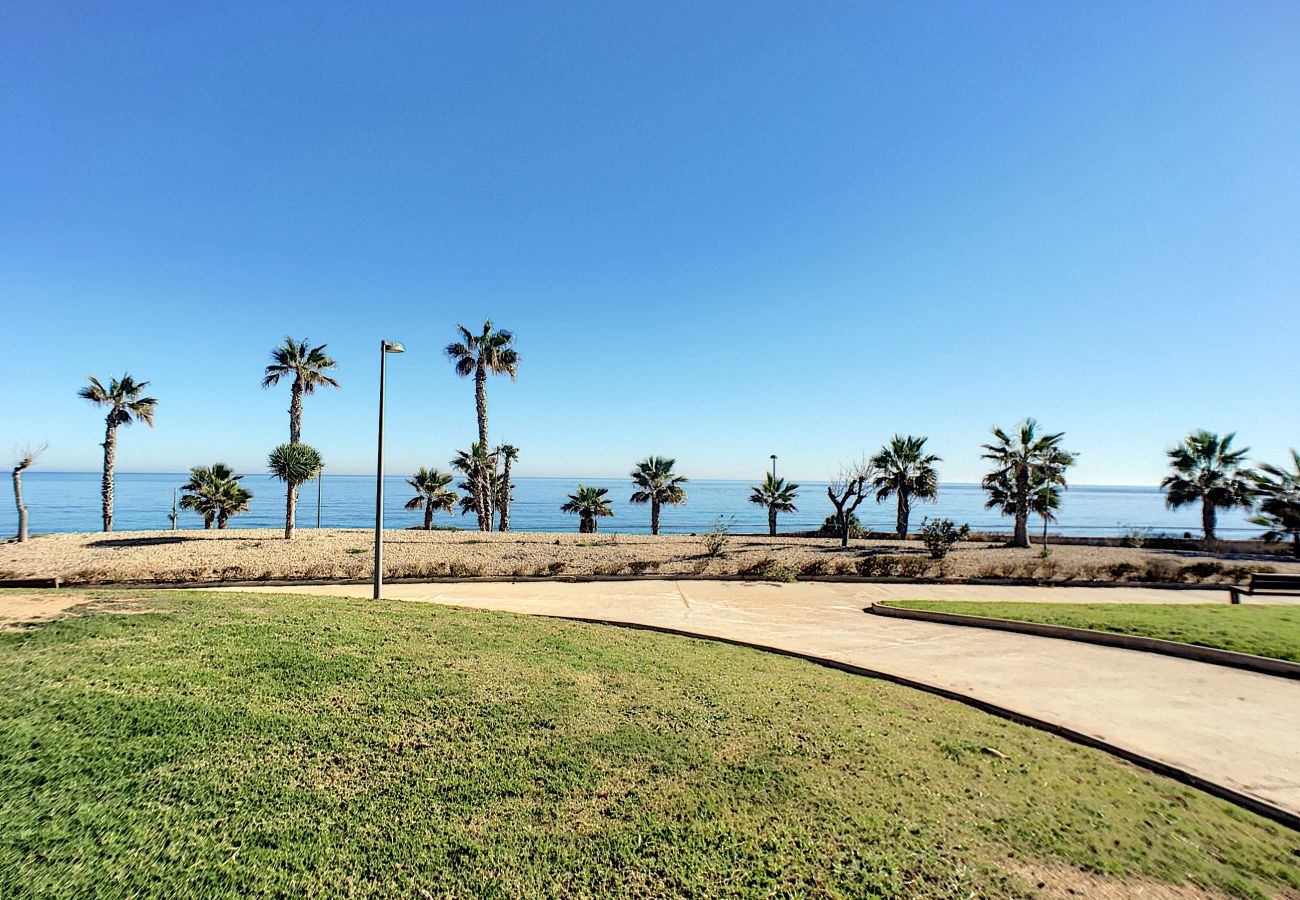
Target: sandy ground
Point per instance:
(20, 610)
(252, 554)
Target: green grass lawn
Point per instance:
(1262, 630)
(248, 744)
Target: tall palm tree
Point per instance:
(307, 366)
(431, 494)
(1015, 459)
(488, 352)
(777, 495)
(480, 483)
(125, 405)
(295, 465)
(507, 453)
(590, 504)
(658, 485)
(906, 471)
(1207, 469)
(1279, 506)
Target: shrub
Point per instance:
(718, 536)
(1121, 570)
(1200, 571)
(641, 566)
(769, 569)
(1160, 570)
(831, 528)
(460, 569)
(940, 535)
(815, 567)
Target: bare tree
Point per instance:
(847, 491)
(24, 459)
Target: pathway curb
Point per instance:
(1245, 801)
(1262, 664)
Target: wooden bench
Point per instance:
(1275, 585)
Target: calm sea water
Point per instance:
(69, 501)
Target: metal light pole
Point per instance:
(774, 467)
(320, 480)
(385, 347)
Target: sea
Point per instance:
(69, 502)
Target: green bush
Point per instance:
(831, 528)
(940, 535)
(769, 569)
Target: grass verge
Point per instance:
(1261, 630)
(252, 744)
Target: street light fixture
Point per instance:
(774, 467)
(385, 348)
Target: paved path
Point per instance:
(1237, 729)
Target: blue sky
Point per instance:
(719, 230)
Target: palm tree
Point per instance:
(307, 365)
(590, 504)
(658, 485)
(294, 464)
(490, 351)
(906, 471)
(480, 483)
(1207, 469)
(1015, 460)
(201, 491)
(125, 405)
(1279, 505)
(431, 494)
(777, 495)
(508, 454)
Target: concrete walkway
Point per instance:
(1236, 729)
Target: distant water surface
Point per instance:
(69, 501)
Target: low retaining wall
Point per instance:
(1262, 664)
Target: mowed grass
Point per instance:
(251, 744)
(1262, 630)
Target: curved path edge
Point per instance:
(1262, 664)
(1245, 801)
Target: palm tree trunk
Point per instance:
(207, 521)
(290, 510)
(222, 521)
(428, 514)
(1021, 537)
(295, 412)
(110, 462)
(18, 499)
(771, 521)
(904, 513)
(1207, 520)
(654, 516)
(586, 525)
(482, 498)
(505, 496)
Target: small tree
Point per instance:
(847, 491)
(777, 495)
(431, 494)
(905, 471)
(24, 459)
(295, 465)
(1207, 470)
(507, 453)
(1017, 459)
(589, 504)
(718, 536)
(658, 485)
(940, 535)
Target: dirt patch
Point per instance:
(20, 610)
(1054, 880)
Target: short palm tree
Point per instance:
(777, 495)
(431, 494)
(295, 465)
(489, 352)
(307, 366)
(658, 485)
(480, 484)
(507, 453)
(1015, 459)
(590, 504)
(1207, 470)
(214, 492)
(905, 471)
(1279, 504)
(125, 405)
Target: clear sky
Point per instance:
(720, 230)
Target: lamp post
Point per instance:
(385, 348)
(320, 480)
(774, 467)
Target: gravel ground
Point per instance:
(252, 554)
